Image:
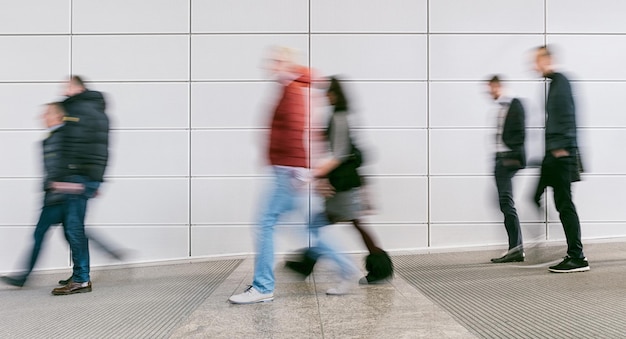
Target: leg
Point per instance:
(367, 239)
(565, 206)
(75, 209)
(50, 215)
(281, 200)
(323, 248)
(504, 176)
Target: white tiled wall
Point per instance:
(189, 101)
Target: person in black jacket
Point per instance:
(86, 152)
(53, 210)
(561, 164)
(510, 158)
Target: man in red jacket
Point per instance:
(289, 159)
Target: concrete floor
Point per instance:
(432, 296)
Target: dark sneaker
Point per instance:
(569, 265)
(517, 256)
(13, 281)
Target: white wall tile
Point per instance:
(473, 57)
(228, 152)
(16, 244)
(149, 153)
(35, 58)
(580, 16)
(451, 235)
(243, 16)
(595, 145)
(371, 57)
(445, 236)
(398, 199)
(602, 230)
(369, 16)
(220, 240)
(22, 153)
(139, 16)
(232, 105)
(23, 206)
(231, 239)
(388, 104)
(475, 200)
(140, 243)
(393, 152)
(590, 57)
(396, 237)
(140, 201)
(239, 57)
(598, 104)
(21, 105)
(486, 16)
(35, 17)
(226, 200)
(131, 57)
(467, 104)
(459, 151)
(146, 105)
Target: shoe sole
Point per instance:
(504, 262)
(574, 270)
(82, 290)
(251, 302)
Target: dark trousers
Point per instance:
(504, 175)
(51, 214)
(559, 173)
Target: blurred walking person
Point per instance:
(53, 209)
(561, 164)
(289, 161)
(86, 152)
(340, 180)
(510, 157)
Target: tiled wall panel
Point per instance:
(189, 98)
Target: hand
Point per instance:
(67, 187)
(324, 188)
(559, 153)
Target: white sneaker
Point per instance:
(251, 296)
(344, 287)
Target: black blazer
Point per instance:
(514, 132)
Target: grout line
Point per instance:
(428, 130)
(189, 138)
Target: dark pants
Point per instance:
(74, 222)
(504, 175)
(51, 214)
(559, 173)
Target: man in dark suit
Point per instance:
(510, 157)
(561, 164)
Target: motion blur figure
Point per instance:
(289, 162)
(86, 153)
(510, 157)
(561, 163)
(340, 181)
(53, 210)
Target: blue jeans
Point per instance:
(75, 209)
(286, 194)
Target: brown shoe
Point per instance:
(72, 288)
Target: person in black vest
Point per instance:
(510, 158)
(52, 211)
(561, 163)
(86, 152)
